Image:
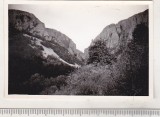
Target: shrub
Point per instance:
(49, 90)
(98, 53)
(127, 76)
(90, 80)
(141, 34)
(53, 84)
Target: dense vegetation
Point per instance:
(106, 74)
(24, 61)
(98, 53)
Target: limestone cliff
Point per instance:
(118, 35)
(27, 23)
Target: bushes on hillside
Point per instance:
(98, 53)
(141, 34)
(88, 80)
(38, 84)
(128, 76)
(102, 75)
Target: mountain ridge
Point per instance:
(118, 35)
(35, 49)
(28, 23)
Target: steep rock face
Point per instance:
(64, 41)
(123, 48)
(118, 35)
(27, 23)
(34, 49)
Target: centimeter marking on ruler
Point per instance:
(78, 111)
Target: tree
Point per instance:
(135, 63)
(141, 34)
(98, 53)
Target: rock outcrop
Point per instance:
(118, 35)
(27, 23)
(35, 49)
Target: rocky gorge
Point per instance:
(46, 61)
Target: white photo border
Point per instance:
(81, 98)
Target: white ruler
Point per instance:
(77, 112)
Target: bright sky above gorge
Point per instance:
(81, 21)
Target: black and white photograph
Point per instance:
(78, 49)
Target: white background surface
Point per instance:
(84, 102)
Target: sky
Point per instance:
(80, 21)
